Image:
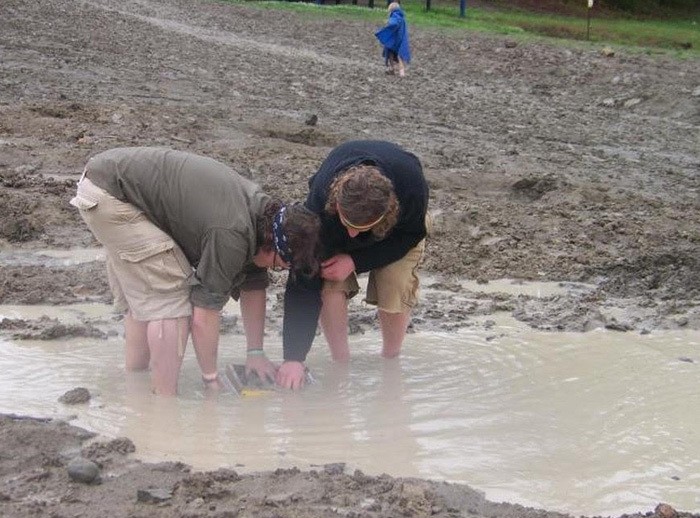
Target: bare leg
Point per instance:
(394, 327)
(402, 68)
(136, 347)
(166, 341)
(334, 322)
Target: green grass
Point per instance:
(679, 35)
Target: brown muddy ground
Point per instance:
(546, 162)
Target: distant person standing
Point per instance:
(394, 38)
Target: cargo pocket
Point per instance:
(83, 201)
(161, 266)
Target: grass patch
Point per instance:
(680, 35)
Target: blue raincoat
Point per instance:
(394, 37)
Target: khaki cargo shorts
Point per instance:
(148, 273)
(392, 288)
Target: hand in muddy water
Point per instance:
(291, 375)
(262, 367)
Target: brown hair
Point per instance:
(303, 230)
(364, 194)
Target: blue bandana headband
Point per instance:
(280, 238)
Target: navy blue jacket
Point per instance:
(302, 299)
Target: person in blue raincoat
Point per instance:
(394, 38)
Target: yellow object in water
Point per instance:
(254, 392)
(235, 380)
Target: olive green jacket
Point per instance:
(205, 206)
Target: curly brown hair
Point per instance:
(364, 195)
(303, 230)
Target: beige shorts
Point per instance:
(148, 273)
(393, 288)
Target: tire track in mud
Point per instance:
(221, 37)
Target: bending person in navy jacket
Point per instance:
(372, 199)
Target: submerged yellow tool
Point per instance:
(237, 381)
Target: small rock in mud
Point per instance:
(533, 188)
(46, 328)
(311, 120)
(614, 325)
(334, 468)
(83, 470)
(99, 451)
(665, 511)
(153, 495)
(75, 396)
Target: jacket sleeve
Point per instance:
(388, 34)
(224, 256)
(302, 296)
(302, 307)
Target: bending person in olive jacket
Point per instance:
(372, 199)
(182, 234)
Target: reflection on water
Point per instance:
(595, 423)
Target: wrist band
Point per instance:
(255, 352)
(209, 378)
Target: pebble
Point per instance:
(335, 468)
(75, 396)
(153, 495)
(665, 511)
(83, 470)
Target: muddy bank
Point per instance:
(60, 470)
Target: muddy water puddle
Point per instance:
(594, 423)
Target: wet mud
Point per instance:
(546, 162)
